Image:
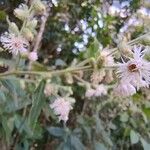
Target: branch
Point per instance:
(41, 31)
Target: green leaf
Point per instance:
(7, 83)
(101, 131)
(38, 67)
(147, 112)
(99, 146)
(2, 15)
(124, 117)
(12, 105)
(56, 131)
(37, 104)
(60, 62)
(134, 137)
(146, 146)
(22, 125)
(2, 97)
(93, 49)
(8, 125)
(76, 143)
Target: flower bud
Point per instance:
(146, 40)
(69, 78)
(49, 90)
(13, 28)
(39, 6)
(106, 58)
(97, 76)
(22, 12)
(79, 73)
(28, 34)
(109, 76)
(32, 24)
(125, 48)
(33, 56)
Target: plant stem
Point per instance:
(132, 42)
(45, 73)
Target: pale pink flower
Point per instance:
(13, 43)
(136, 71)
(61, 107)
(124, 89)
(89, 93)
(33, 56)
(100, 90)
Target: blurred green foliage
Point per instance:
(26, 121)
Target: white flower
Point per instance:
(61, 108)
(33, 56)
(13, 43)
(143, 11)
(100, 90)
(137, 70)
(114, 10)
(124, 89)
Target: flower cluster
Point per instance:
(120, 9)
(18, 41)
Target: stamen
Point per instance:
(132, 68)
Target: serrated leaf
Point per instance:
(134, 137)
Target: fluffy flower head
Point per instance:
(124, 90)
(61, 107)
(136, 71)
(33, 56)
(13, 43)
